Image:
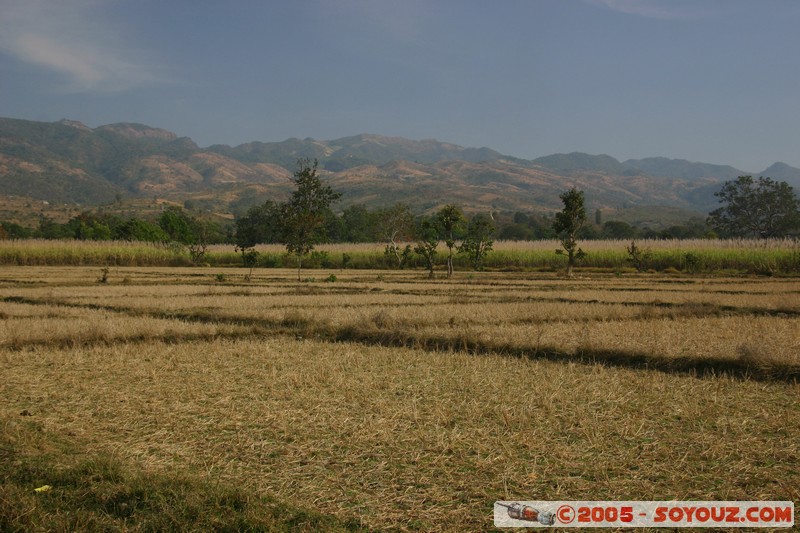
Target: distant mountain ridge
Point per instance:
(357, 150)
(783, 172)
(681, 168)
(578, 161)
(67, 161)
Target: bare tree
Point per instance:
(478, 241)
(397, 228)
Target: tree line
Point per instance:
(304, 221)
(749, 208)
(173, 225)
(762, 208)
(356, 223)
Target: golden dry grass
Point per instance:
(408, 439)
(175, 371)
(728, 320)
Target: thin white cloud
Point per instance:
(71, 38)
(658, 9)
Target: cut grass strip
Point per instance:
(553, 341)
(410, 441)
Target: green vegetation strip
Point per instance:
(79, 491)
(754, 257)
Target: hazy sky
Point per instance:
(707, 80)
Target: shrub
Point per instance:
(639, 258)
(691, 262)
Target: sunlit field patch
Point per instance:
(393, 401)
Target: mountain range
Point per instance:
(68, 162)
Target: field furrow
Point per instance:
(409, 404)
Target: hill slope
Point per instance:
(67, 161)
(783, 172)
(681, 168)
(577, 162)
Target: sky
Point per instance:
(716, 81)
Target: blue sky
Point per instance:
(706, 80)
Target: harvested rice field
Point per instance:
(375, 400)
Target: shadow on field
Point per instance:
(738, 368)
(741, 366)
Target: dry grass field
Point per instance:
(387, 401)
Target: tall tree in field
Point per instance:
(478, 240)
(567, 223)
(304, 213)
(450, 220)
(428, 241)
(763, 208)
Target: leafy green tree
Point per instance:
(260, 225)
(567, 223)
(428, 241)
(515, 232)
(333, 227)
(87, 227)
(524, 227)
(589, 232)
(450, 220)
(177, 224)
(542, 227)
(50, 229)
(138, 230)
(478, 240)
(521, 218)
(12, 230)
(304, 213)
(359, 224)
(763, 208)
(195, 233)
(616, 229)
(694, 228)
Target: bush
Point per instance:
(318, 259)
(692, 262)
(639, 258)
